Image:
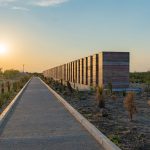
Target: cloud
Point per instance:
(22, 4)
(20, 8)
(46, 3)
(6, 2)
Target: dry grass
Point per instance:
(2, 88)
(129, 104)
(100, 97)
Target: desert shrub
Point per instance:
(140, 77)
(110, 87)
(77, 93)
(2, 88)
(23, 80)
(64, 87)
(90, 92)
(56, 85)
(4, 97)
(61, 81)
(147, 89)
(59, 85)
(64, 92)
(69, 87)
(1, 102)
(8, 86)
(114, 97)
(49, 81)
(129, 104)
(60, 88)
(148, 102)
(124, 93)
(19, 85)
(15, 86)
(74, 83)
(92, 89)
(115, 139)
(100, 97)
(11, 74)
(45, 79)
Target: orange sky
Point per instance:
(43, 36)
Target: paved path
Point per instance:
(40, 122)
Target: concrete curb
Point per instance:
(100, 137)
(12, 104)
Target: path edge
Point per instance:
(7, 110)
(99, 136)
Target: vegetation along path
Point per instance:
(39, 121)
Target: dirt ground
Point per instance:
(116, 126)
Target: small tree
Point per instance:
(129, 104)
(101, 101)
(100, 97)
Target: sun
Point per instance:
(3, 48)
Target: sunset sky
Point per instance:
(45, 33)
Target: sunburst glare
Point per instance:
(3, 48)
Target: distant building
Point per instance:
(96, 70)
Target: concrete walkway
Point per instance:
(40, 122)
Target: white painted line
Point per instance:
(100, 137)
(10, 106)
